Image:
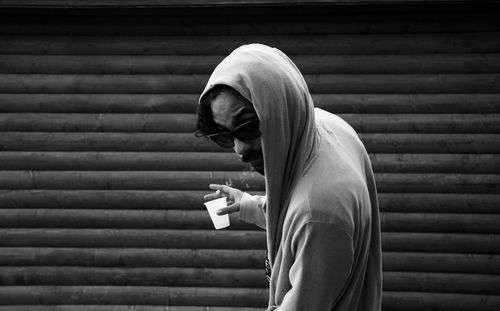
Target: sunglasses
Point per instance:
(246, 131)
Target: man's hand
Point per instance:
(233, 196)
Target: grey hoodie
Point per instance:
(321, 212)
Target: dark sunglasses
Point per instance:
(246, 131)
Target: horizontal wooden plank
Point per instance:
(129, 307)
(115, 307)
(132, 295)
(439, 262)
(293, 10)
(186, 103)
(103, 84)
(407, 103)
(430, 143)
(222, 161)
(232, 239)
(199, 64)
(434, 222)
(246, 180)
(146, 3)
(226, 258)
(247, 278)
(288, 19)
(175, 122)
(138, 180)
(441, 242)
(194, 84)
(434, 163)
(429, 183)
(143, 238)
(141, 257)
(442, 282)
(413, 301)
(113, 64)
(197, 3)
(202, 3)
(109, 199)
(142, 295)
(123, 122)
(94, 218)
(101, 103)
(423, 123)
(466, 42)
(105, 142)
(181, 142)
(193, 200)
(188, 161)
(439, 202)
(180, 219)
(139, 276)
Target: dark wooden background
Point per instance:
(101, 177)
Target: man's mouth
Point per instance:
(256, 160)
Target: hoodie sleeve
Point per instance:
(252, 209)
(323, 257)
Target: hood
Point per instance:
(276, 88)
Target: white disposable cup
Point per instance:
(219, 221)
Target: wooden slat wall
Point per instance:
(101, 178)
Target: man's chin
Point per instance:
(257, 163)
(259, 169)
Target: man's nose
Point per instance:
(241, 147)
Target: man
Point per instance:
(320, 211)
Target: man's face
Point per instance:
(232, 112)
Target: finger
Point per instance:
(223, 188)
(229, 209)
(216, 187)
(210, 196)
(213, 196)
(226, 189)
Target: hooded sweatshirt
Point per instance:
(320, 212)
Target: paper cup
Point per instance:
(219, 221)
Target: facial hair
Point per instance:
(256, 160)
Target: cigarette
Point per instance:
(217, 192)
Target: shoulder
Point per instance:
(324, 208)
